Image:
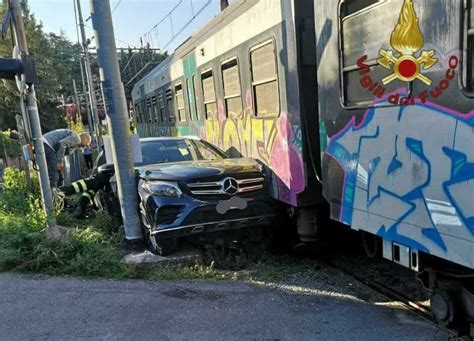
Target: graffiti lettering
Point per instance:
(418, 188)
(273, 140)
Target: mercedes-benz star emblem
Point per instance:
(230, 186)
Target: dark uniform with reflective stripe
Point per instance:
(88, 187)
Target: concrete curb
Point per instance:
(148, 259)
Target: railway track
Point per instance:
(396, 297)
(387, 291)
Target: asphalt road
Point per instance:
(45, 308)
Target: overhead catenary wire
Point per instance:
(165, 17)
(169, 16)
(181, 30)
(116, 6)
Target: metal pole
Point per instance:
(78, 103)
(90, 120)
(20, 125)
(33, 115)
(117, 116)
(90, 82)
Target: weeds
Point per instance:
(90, 251)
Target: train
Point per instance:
(365, 106)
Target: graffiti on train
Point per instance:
(418, 188)
(274, 140)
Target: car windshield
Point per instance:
(176, 150)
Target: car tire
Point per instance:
(157, 245)
(163, 246)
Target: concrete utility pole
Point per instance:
(117, 116)
(90, 83)
(33, 115)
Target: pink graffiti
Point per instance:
(285, 159)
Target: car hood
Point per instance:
(188, 170)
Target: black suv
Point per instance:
(187, 186)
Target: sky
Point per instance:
(132, 19)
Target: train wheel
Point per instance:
(442, 307)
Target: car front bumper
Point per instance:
(181, 216)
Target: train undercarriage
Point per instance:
(452, 296)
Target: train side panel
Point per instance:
(397, 124)
(236, 84)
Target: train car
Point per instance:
(363, 104)
(396, 90)
(243, 82)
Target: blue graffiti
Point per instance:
(408, 176)
(461, 172)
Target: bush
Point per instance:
(9, 146)
(91, 250)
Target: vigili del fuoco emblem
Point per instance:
(407, 39)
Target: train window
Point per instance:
(196, 97)
(265, 80)
(154, 109)
(358, 55)
(352, 6)
(468, 72)
(149, 109)
(192, 98)
(180, 107)
(161, 107)
(169, 105)
(137, 113)
(209, 95)
(232, 90)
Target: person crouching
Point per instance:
(57, 144)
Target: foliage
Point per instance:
(132, 63)
(9, 146)
(57, 62)
(88, 251)
(77, 126)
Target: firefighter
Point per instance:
(88, 187)
(57, 144)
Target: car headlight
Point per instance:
(166, 189)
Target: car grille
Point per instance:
(227, 186)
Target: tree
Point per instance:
(57, 63)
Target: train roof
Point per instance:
(215, 24)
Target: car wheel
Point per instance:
(163, 246)
(157, 245)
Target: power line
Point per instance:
(187, 24)
(115, 7)
(116, 39)
(147, 36)
(164, 18)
